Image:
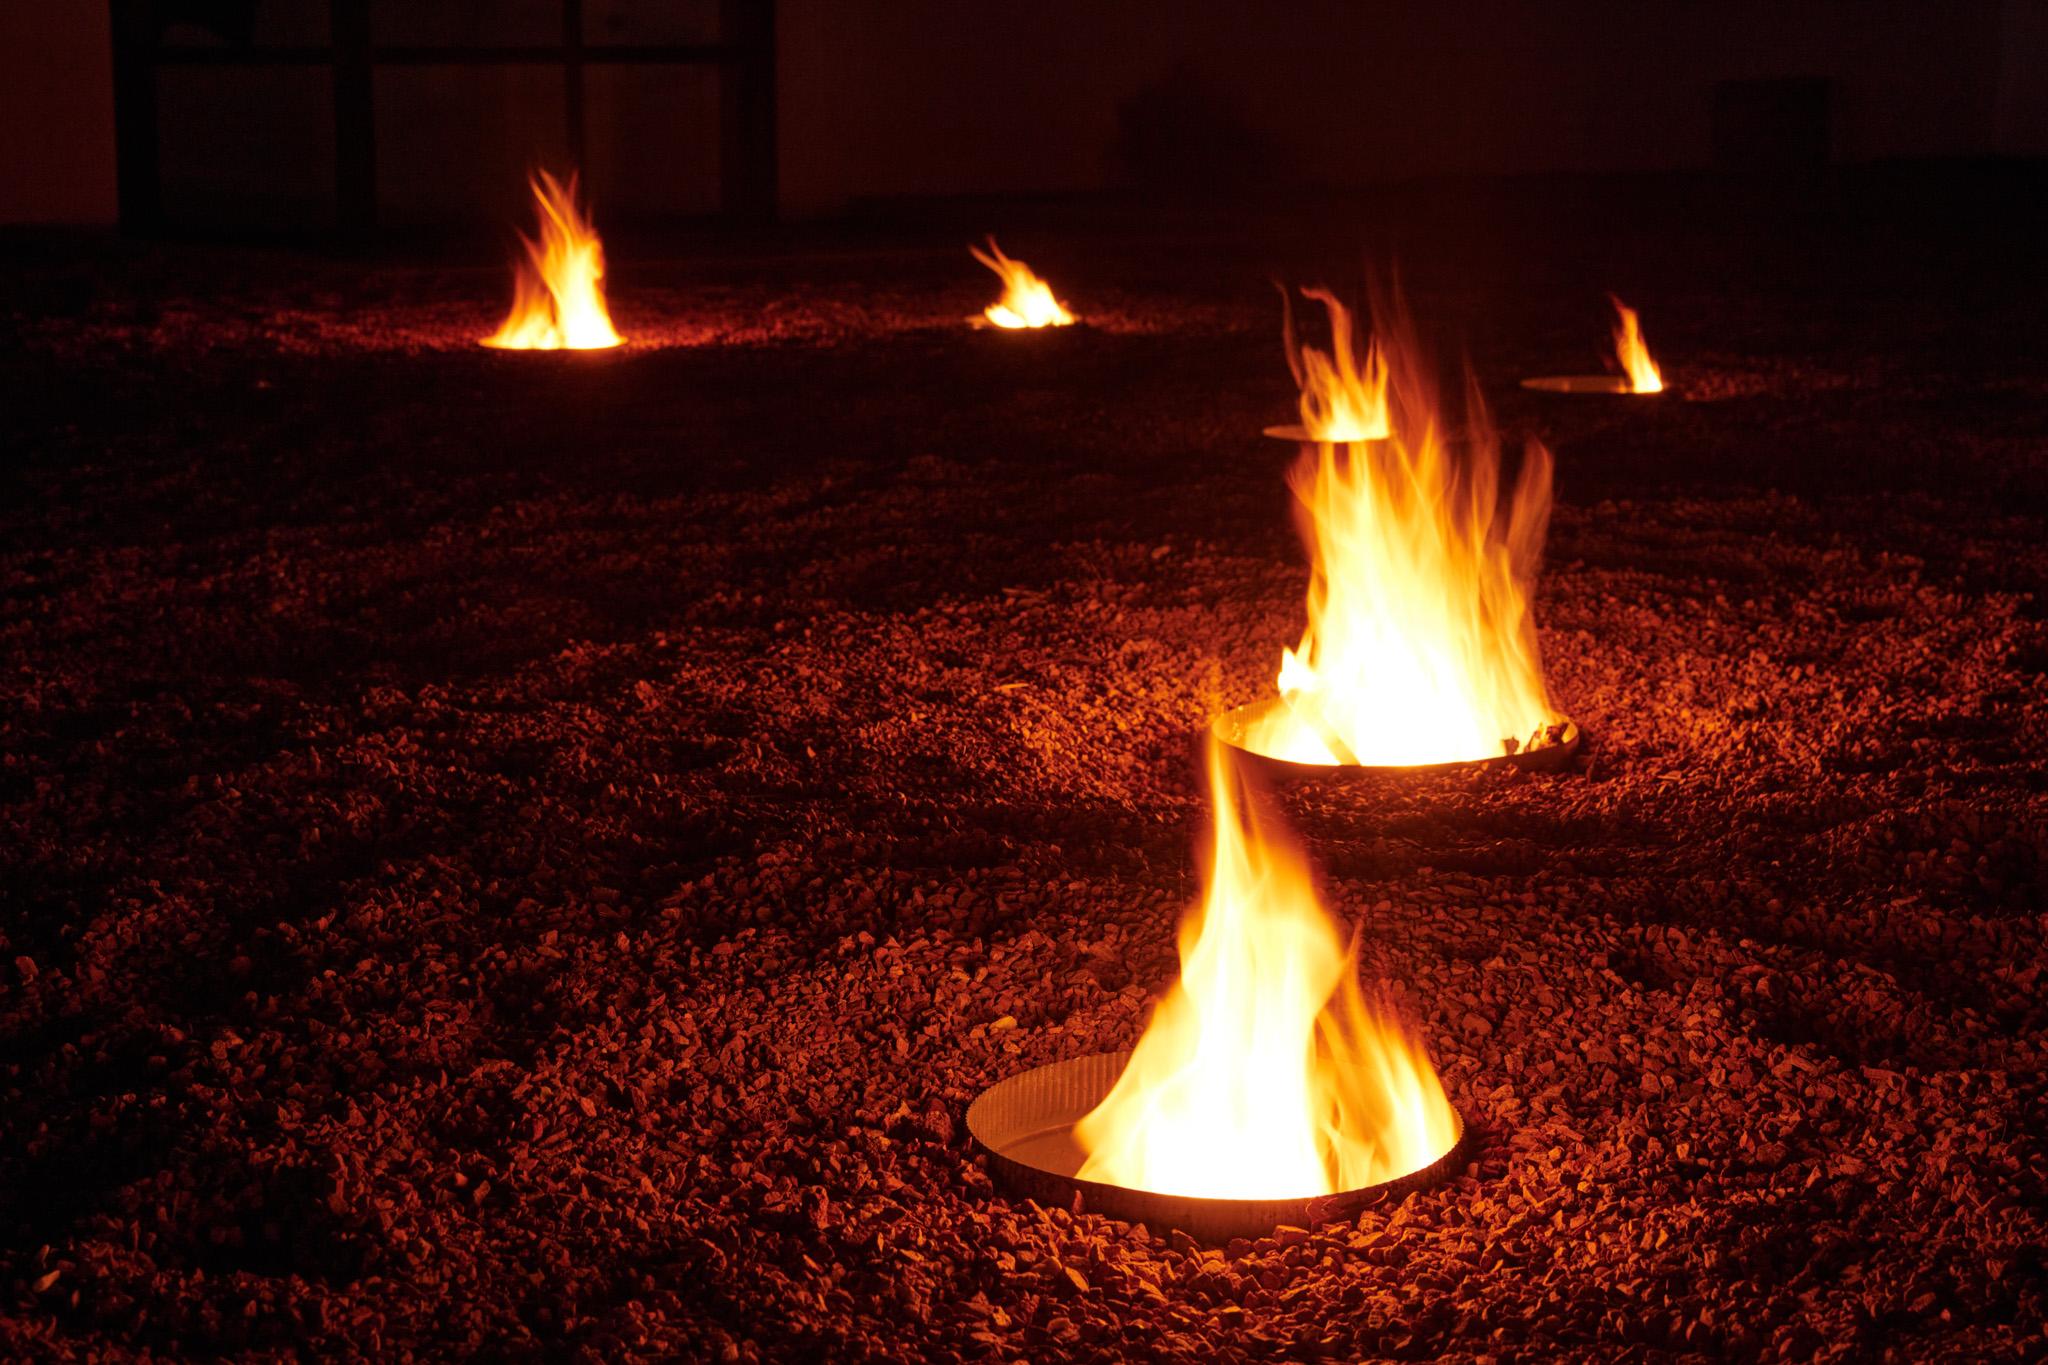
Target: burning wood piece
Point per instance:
(1420, 647)
(1265, 1090)
(1639, 373)
(1027, 301)
(558, 290)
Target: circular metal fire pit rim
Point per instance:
(982, 324)
(1607, 385)
(1231, 726)
(1052, 1098)
(623, 343)
(1300, 435)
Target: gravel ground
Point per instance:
(533, 855)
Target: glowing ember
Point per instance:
(1341, 400)
(1027, 301)
(1265, 1074)
(1420, 645)
(558, 290)
(1635, 356)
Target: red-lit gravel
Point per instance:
(533, 855)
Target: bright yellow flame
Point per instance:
(1264, 1074)
(1027, 300)
(558, 290)
(1341, 400)
(1420, 645)
(1635, 356)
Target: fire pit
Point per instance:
(1267, 1087)
(1028, 303)
(1420, 647)
(558, 289)
(1639, 377)
(1025, 1124)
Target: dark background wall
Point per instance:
(1085, 94)
(966, 97)
(56, 114)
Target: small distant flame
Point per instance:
(558, 290)
(1027, 301)
(1264, 1073)
(1341, 399)
(1420, 645)
(1635, 356)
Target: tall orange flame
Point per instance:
(558, 290)
(1643, 376)
(1341, 399)
(1264, 1073)
(1420, 645)
(1027, 301)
